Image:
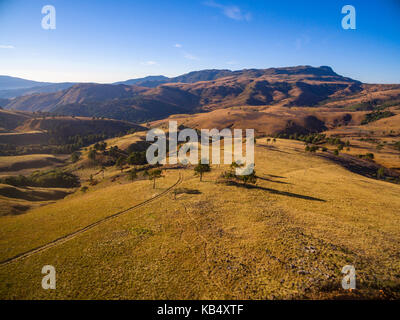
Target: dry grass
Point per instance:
(287, 238)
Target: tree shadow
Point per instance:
(273, 191)
(272, 148)
(270, 180)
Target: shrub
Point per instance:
(201, 168)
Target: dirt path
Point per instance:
(87, 228)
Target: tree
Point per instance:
(137, 158)
(249, 178)
(201, 168)
(153, 175)
(75, 156)
(336, 152)
(92, 155)
(120, 163)
(132, 174)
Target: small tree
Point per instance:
(120, 163)
(155, 174)
(92, 155)
(75, 156)
(201, 168)
(132, 174)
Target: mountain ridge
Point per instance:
(197, 91)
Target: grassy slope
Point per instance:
(227, 242)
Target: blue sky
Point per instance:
(106, 41)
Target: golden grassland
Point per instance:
(26, 164)
(288, 237)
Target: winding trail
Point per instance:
(88, 227)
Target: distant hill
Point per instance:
(78, 93)
(7, 82)
(191, 77)
(12, 93)
(206, 90)
(150, 81)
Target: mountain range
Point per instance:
(156, 97)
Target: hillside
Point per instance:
(287, 237)
(76, 94)
(9, 120)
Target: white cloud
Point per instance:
(231, 11)
(149, 63)
(231, 62)
(177, 45)
(6, 47)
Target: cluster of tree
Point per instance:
(56, 145)
(367, 156)
(45, 179)
(312, 148)
(315, 138)
(376, 115)
(375, 104)
(231, 176)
